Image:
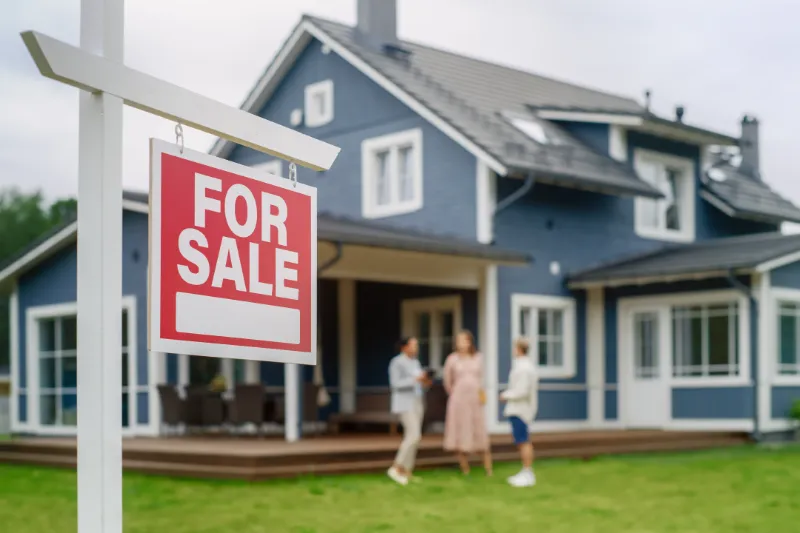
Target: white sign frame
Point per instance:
(158, 344)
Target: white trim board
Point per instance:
(298, 40)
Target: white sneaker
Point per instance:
(397, 477)
(523, 479)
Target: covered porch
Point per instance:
(376, 283)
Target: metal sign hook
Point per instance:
(179, 135)
(293, 173)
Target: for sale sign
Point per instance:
(233, 260)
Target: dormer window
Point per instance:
(319, 103)
(670, 218)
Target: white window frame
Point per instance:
(314, 118)
(411, 307)
(32, 317)
(687, 200)
(779, 296)
(665, 304)
(538, 302)
(391, 143)
(275, 167)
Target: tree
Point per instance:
(23, 219)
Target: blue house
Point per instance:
(644, 263)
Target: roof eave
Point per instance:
(733, 212)
(625, 281)
(573, 181)
(644, 122)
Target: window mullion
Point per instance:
(704, 341)
(394, 175)
(533, 328)
(796, 362)
(59, 391)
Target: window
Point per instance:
(548, 323)
(705, 340)
(319, 103)
(391, 174)
(57, 343)
(273, 167)
(433, 321)
(671, 217)
(788, 335)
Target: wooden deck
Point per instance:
(251, 458)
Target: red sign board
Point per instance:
(233, 260)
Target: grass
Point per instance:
(737, 490)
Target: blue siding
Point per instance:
(593, 135)
(379, 323)
(559, 405)
(54, 282)
(782, 400)
(786, 276)
(716, 402)
(363, 110)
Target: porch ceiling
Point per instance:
(711, 258)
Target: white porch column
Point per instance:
(99, 284)
(488, 337)
(595, 355)
(347, 345)
(292, 402)
(767, 348)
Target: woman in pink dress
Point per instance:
(465, 425)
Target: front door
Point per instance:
(646, 402)
(433, 321)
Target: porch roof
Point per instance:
(336, 229)
(759, 252)
(330, 228)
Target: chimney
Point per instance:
(679, 111)
(377, 22)
(748, 147)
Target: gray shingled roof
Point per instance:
(749, 197)
(471, 95)
(716, 255)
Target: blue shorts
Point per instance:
(519, 429)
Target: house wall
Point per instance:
(363, 110)
(787, 276)
(699, 403)
(55, 282)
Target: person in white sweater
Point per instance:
(521, 399)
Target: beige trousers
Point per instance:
(412, 433)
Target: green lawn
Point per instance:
(737, 490)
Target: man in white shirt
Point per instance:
(407, 380)
(521, 399)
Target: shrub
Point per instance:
(794, 411)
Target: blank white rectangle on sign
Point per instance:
(221, 317)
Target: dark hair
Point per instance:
(472, 349)
(402, 343)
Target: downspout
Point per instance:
(754, 369)
(514, 196)
(320, 269)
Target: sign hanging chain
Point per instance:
(179, 135)
(293, 173)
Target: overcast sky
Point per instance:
(719, 58)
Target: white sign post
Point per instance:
(97, 68)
